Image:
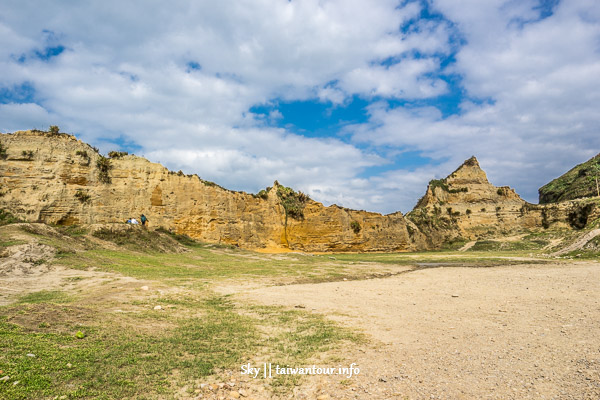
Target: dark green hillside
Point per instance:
(579, 182)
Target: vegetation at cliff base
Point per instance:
(7, 218)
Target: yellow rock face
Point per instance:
(59, 183)
(466, 205)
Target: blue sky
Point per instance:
(355, 103)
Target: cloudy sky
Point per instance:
(358, 103)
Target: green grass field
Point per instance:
(145, 353)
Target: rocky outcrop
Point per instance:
(57, 179)
(582, 181)
(465, 205)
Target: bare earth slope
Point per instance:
(579, 243)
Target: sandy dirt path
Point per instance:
(468, 245)
(512, 332)
(579, 243)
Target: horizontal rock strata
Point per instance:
(58, 179)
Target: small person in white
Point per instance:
(134, 221)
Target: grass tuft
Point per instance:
(45, 296)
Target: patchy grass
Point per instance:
(7, 218)
(147, 353)
(590, 251)
(115, 361)
(305, 335)
(137, 238)
(203, 262)
(75, 231)
(112, 361)
(583, 255)
(474, 258)
(207, 263)
(183, 239)
(7, 243)
(524, 244)
(45, 296)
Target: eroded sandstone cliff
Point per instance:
(58, 179)
(466, 205)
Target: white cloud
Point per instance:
(14, 117)
(402, 80)
(543, 116)
(262, 156)
(125, 76)
(11, 42)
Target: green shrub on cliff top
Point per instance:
(117, 154)
(54, 130)
(263, 194)
(293, 202)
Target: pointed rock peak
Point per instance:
(471, 162)
(468, 172)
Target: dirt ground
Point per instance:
(529, 331)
